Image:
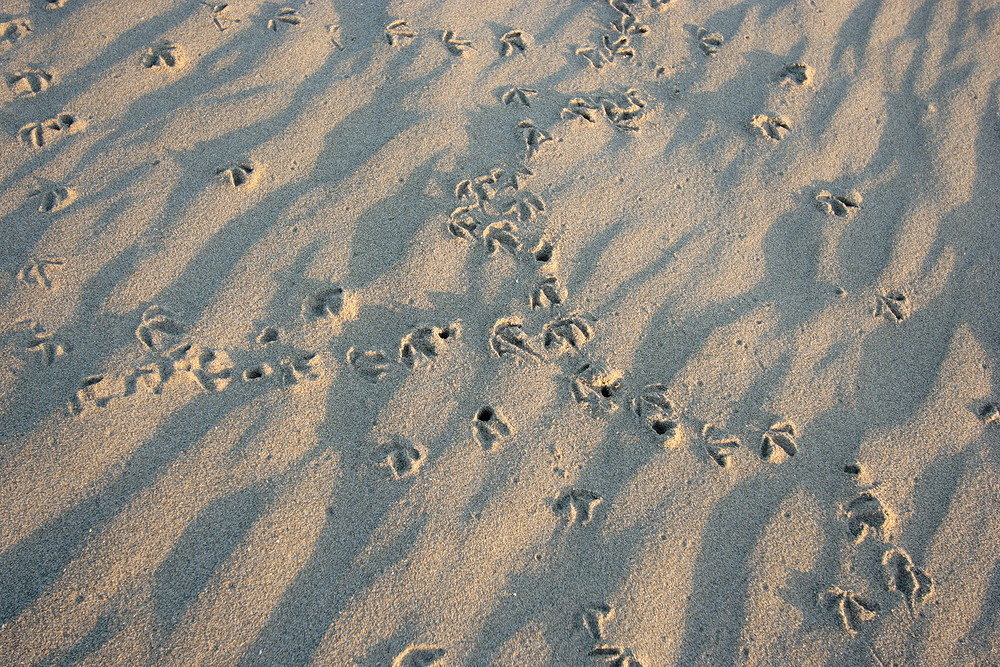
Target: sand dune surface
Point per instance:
(439, 332)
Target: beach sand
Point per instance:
(441, 332)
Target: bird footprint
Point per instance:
(488, 429)
(511, 42)
(893, 306)
(424, 343)
(158, 329)
(548, 293)
(866, 515)
(29, 82)
(533, 137)
(658, 412)
(570, 332)
(161, 55)
(842, 206)
(577, 506)
(592, 620)
(502, 235)
(398, 33)
(615, 656)
(718, 446)
(903, 576)
(709, 42)
(771, 127)
(508, 339)
(403, 460)
(419, 656)
(38, 134)
(53, 199)
(44, 343)
(519, 95)
(850, 607)
(797, 73)
(455, 45)
(12, 31)
(35, 271)
(285, 15)
(781, 436)
(373, 364)
(325, 303)
(237, 174)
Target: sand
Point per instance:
(442, 332)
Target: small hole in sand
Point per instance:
(663, 427)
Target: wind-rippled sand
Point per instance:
(444, 332)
